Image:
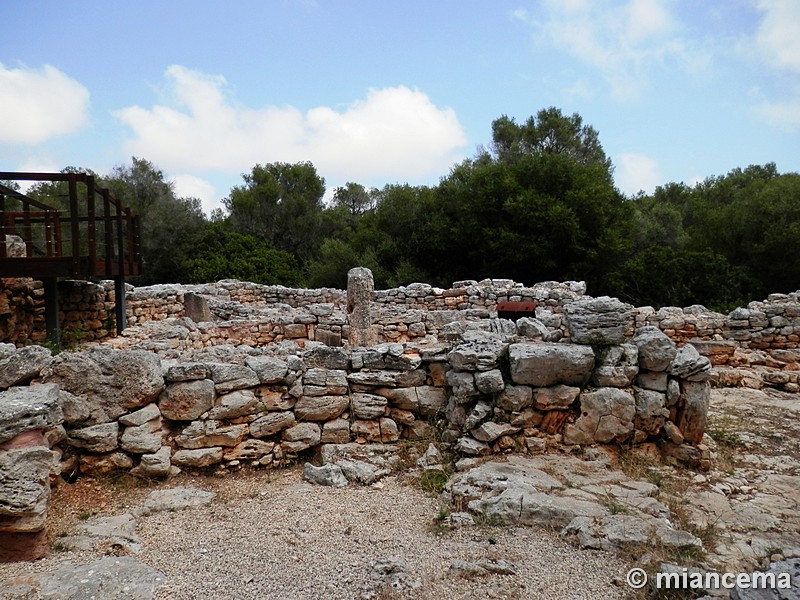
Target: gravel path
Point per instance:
(269, 535)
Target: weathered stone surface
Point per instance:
(320, 408)
(112, 577)
(479, 412)
(651, 410)
(156, 465)
(673, 433)
(104, 464)
(112, 532)
(235, 404)
(412, 378)
(142, 439)
(186, 372)
(185, 401)
(692, 413)
(360, 293)
(688, 363)
(360, 471)
(141, 416)
(515, 397)
(477, 355)
(656, 350)
(779, 570)
(600, 320)
(616, 366)
(550, 363)
(268, 368)
(206, 434)
(326, 357)
(28, 408)
(113, 381)
(489, 382)
(249, 449)
(275, 399)
(201, 457)
(557, 397)
(24, 488)
(229, 377)
(472, 447)
(96, 438)
(300, 437)
(532, 328)
(336, 431)
(76, 409)
(329, 474)
(653, 380)
(368, 406)
(490, 431)
(271, 424)
(462, 384)
(173, 499)
(325, 382)
(17, 547)
(606, 415)
(23, 365)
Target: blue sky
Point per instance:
(378, 92)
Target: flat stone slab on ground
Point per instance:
(174, 499)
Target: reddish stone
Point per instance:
(17, 547)
(26, 439)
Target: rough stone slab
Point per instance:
(113, 381)
(27, 409)
(651, 410)
(156, 465)
(490, 431)
(174, 499)
(515, 397)
(656, 350)
(489, 382)
(109, 532)
(114, 577)
(368, 406)
(185, 401)
(207, 434)
(269, 369)
(272, 423)
(606, 414)
(557, 397)
(320, 408)
(600, 320)
(144, 439)
(202, 457)
(24, 486)
(186, 372)
(477, 355)
(549, 363)
(229, 377)
(329, 475)
(693, 412)
(238, 403)
(301, 437)
(23, 365)
(141, 416)
(96, 438)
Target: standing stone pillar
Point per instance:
(360, 290)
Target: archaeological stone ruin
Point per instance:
(232, 374)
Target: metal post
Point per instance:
(119, 301)
(51, 310)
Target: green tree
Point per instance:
(283, 203)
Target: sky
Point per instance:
(379, 92)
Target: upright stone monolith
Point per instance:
(360, 290)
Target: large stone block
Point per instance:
(187, 400)
(96, 438)
(28, 408)
(113, 381)
(24, 488)
(601, 320)
(23, 365)
(549, 363)
(477, 355)
(606, 415)
(269, 369)
(656, 350)
(692, 414)
(272, 423)
(320, 408)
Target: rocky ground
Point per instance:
(546, 526)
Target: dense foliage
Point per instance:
(538, 204)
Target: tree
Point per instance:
(283, 203)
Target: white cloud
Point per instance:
(778, 35)
(621, 41)
(635, 173)
(394, 133)
(190, 186)
(38, 104)
(782, 113)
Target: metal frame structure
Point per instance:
(91, 236)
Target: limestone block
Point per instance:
(201, 457)
(230, 377)
(104, 464)
(76, 409)
(472, 447)
(550, 363)
(557, 397)
(186, 372)
(601, 320)
(141, 416)
(651, 410)
(462, 384)
(268, 369)
(206, 434)
(271, 424)
(479, 412)
(368, 406)
(606, 415)
(515, 397)
(143, 439)
(656, 350)
(326, 357)
(360, 294)
(477, 355)
(336, 431)
(653, 380)
(329, 475)
(320, 408)
(328, 381)
(185, 401)
(27, 409)
(238, 403)
(692, 414)
(301, 437)
(113, 381)
(490, 431)
(24, 488)
(272, 399)
(489, 382)
(23, 365)
(688, 362)
(96, 438)
(156, 465)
